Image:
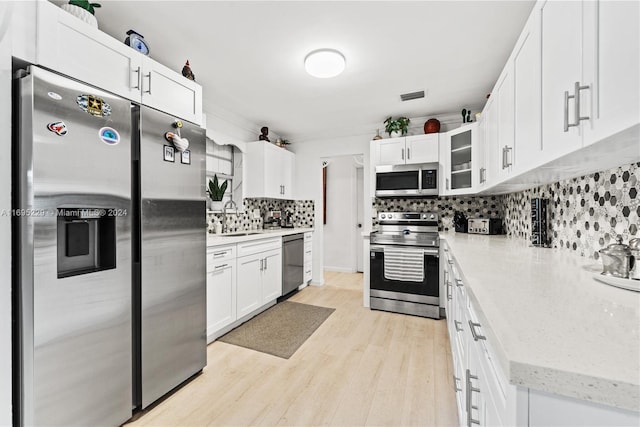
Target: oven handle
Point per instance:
(426, 251)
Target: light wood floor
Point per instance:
(361, 367)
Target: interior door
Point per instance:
(359, 219)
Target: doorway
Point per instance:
(343, 204)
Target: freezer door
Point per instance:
(173, 256)
(73, 247)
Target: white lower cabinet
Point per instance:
(308, 257)
(484, 395)
(242, 280)
(249, 286)
(221, 288)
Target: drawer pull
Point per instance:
(221, 266)
(459, 282)
(476, 336)
(458, 326)
(219, 254)
(470, 406)
(450, 261)
(455, 384)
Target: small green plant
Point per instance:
(401, 124)
(89, 7)
(216, 191)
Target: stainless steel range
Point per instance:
(404, 264)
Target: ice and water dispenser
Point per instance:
(86, 240)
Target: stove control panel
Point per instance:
(407, 216)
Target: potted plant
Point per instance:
(84, 10)
(216, 192)
(396, 127)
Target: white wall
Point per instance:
(308, 183)
(339, 231)
(5, 220)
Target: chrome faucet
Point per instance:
(224, 213)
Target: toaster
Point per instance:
(484, 225)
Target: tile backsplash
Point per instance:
(472, 207)
(302, 212)
(585, 214)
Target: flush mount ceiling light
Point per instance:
(324, 63)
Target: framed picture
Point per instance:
(185, 157)
(169, 154)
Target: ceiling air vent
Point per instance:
(412, 95)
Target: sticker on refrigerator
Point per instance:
(109, 136)
(169, 154)
(54, 95)
(59, 128)
(93, 105)
(185, 157)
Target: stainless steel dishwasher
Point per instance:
(292, 262)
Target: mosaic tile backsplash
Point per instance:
(302, 213)
(472, 207)
(585, 214)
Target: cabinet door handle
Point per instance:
(576, 95)
(450, 261)
(504, 157)
(509, 156)
(402, 155)
(137, 86)
(149, 86)
(266, 265)
(262, 264)
(459, 283)
(455, 384)
(476, 336)
(458, 326)
(408, 153)
(447, 181)
(470, 406)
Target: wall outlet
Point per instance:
(256, 214)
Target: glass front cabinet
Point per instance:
(461, 152)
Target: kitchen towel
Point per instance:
(404, 264)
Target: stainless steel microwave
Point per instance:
(407, 180)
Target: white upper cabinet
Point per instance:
(168, 91)
(526, 100)
(69, 46)
(561, 69)
(408, 150)
(461, 173)
(268, 171)
(611, 66)
(506, 134)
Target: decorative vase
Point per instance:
(395, 134)
(432, 126)
(216, 205)
(82, 14)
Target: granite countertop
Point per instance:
(554, 328)
(231, 238)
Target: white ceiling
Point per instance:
(248, 56)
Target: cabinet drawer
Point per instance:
(219, 254)
(255, 246)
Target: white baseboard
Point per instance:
(339, 269)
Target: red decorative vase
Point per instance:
(432, 126)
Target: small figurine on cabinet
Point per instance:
(264, 131)
(186, 71)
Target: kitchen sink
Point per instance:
(244, 233)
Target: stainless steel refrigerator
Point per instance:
(109, 271)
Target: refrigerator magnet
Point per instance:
(185, 157)
(109, 136)
(93, 105)
(169, 154)
(59, 128)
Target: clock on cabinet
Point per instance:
(137, 41)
